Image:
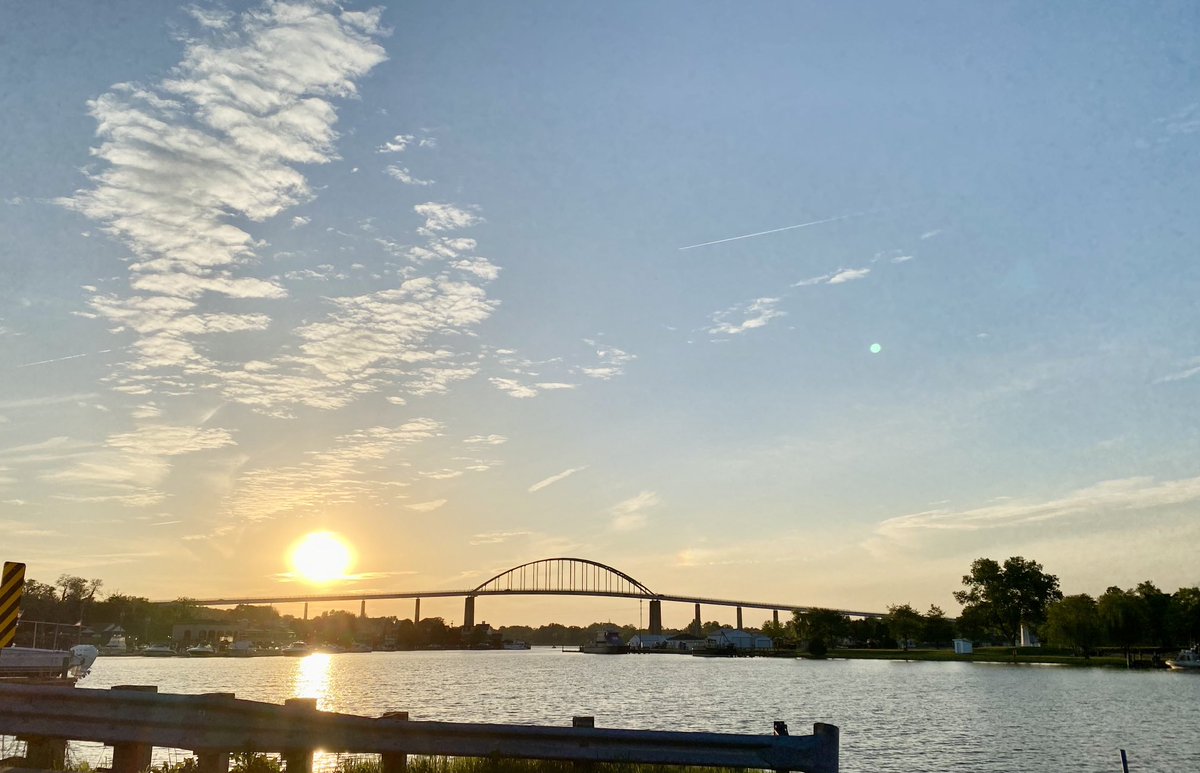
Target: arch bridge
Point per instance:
(547, 576)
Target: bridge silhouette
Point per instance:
(547, 577)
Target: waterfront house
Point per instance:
(648, 641)
(728, 638)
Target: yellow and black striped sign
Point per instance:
(11, 585)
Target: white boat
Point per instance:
(115, 646)
(1186, 660)
(201, 651)
(159, 651)
(243, 648)
(515, 645)
(47, 664)
(296, 649)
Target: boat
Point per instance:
(33, 663)
(296, 649)
(159, 650)
(606, 643)
(515, 645)
(200, 651)
(359, 646)
(1186, 660)
(115, 646)
(243, 648)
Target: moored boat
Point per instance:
(606, 643)
(515, 645)
(296, 649)
(201, 651)
(1186, 660)
(159, 650)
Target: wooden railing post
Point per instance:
(45, 753)
(214, 760)
(394, 762)
(132, 757)
(298, 760)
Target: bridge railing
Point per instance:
(134, 720)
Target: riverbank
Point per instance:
(1027, 655)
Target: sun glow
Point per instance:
(321, 557)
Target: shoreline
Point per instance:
(988, 655)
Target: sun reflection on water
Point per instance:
(312, 678)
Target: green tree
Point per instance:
(1074, 622)
(818, 624)
(776, 631)
(1009, 595)
(936, 627)
(1123, 616)
(1183, 616)
(1156, 605)
(904, 622)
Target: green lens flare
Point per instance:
(876, 348)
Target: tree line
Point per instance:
(997, 599)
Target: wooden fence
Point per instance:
(135, 719)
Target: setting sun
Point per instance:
(321, 557)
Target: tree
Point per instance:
(818, 623)
(1008, 596)
(776, 631)
(1155, 604)
(1123, 616)
(1073, 622)
(904, 622)
(937, 628)
(1183, 616)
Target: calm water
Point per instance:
(894, 716)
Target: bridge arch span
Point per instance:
(565, 575)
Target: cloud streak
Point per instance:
(541, 484)
(773, 231)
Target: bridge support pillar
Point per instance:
(469, 613)
(306, 610)
(697, 626)
(739, 619)
(362, 609)
(656, 617)
(775, 616)
(417, 613)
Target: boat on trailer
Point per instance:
(36, 663)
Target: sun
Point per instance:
(322, 557)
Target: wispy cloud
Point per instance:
(541, 484)
(848, 275)
(427, 507)
(403, 175)
(397, 144)
(1123, 495)
(745, 317)
(1191, 368)
(491, 440)
(631, 514)
(497, 537)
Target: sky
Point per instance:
(801, 302)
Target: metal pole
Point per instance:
(1124, 762)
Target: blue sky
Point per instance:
(428, 276)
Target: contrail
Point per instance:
(773, 231)
(60, 359)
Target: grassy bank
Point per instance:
(1030, 655)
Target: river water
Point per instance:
(893, 715)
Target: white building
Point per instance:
(647, 641)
